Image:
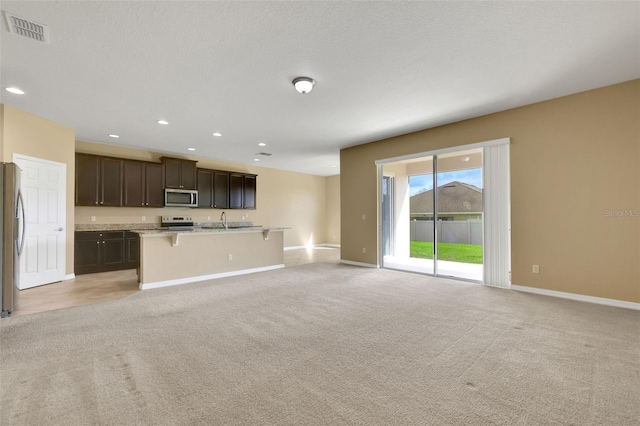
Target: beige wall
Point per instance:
(333, 209)
(30, 135)
(284, 199)
(572, 159)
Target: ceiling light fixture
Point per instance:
(262, 144)
(217, 134)
(303, 84)
(14, 90)
(256, 159)
(162, 122)
(191, 149)
(114, 136)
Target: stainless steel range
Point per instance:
(177, 223)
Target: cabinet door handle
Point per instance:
(96, 203)
(103, 242)
(101, 202)
(97, 242)
(147, 204)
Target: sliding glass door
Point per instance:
(387, 215)
(459, 215)
(438, 215)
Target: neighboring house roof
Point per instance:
(453, 197)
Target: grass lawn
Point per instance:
(465, 253)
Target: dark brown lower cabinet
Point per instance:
(101, 251)
(132, 250)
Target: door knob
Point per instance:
(59, 229)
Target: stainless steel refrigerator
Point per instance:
(12, 221)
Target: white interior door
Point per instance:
(43, 185)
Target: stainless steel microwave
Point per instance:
(180, 197)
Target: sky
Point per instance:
(421, 183)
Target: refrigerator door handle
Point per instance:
(24, 222)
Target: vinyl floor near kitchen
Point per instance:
(92, 288)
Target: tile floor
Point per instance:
(92, 288)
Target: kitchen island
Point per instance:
(179, 257)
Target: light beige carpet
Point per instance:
(323, 345)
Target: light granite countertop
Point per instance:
(152, 226)
(205, 230)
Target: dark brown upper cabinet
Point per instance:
(178, 173)
(213, 189)
(154, 184)
(220, 189)
(98, 180)
(235, 190)
(242, 191)
(143, 184)
(87, 176)
(205, 188)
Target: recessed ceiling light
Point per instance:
(191, 149)
(217, 134)
(256, 159)
(162, 122)
(303, 84)
(114, 136)
(262, 144)
(14, 90)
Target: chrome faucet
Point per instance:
(223, 218)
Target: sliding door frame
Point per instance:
(380, 167)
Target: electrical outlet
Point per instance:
(229, 256)
(144, 218)
(364, 249)
(536, 269)
(93, 218)
(364, 217)
(208, 218)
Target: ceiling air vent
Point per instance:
(24, 27)
(264, 154)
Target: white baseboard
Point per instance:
(364, 265)
(69, 277)
(579, 297)
(167, 283)
(315, 245)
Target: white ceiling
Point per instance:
(382, 69)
